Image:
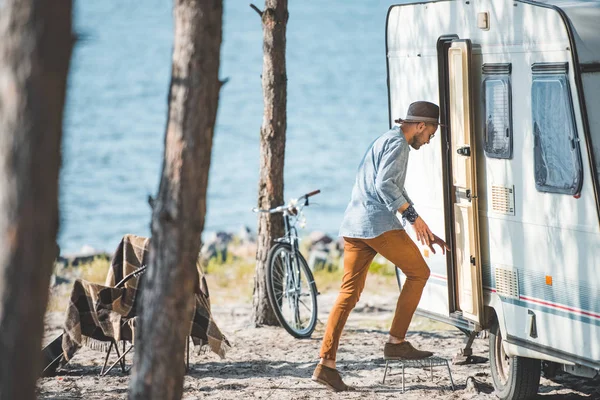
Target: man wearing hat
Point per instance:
(370, 226)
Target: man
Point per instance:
(370, 226)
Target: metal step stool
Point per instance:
(428, 362)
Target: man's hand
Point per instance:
(424, 234)
(426, 237)
(440, 243)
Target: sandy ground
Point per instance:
(267, 363)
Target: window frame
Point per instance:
(500, 71)
(543, 71)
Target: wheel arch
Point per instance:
(494, 313)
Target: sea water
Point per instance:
(116, 113)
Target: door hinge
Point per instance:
(473, 260)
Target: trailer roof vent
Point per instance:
(503, 200)
(507, 282)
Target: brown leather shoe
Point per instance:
(403, 351)
(330, 378)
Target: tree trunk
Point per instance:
(180, 208)
(35, 49)
(272, 149)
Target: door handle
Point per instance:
(469, 195)
(464, 151)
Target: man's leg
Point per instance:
(398, 248)
(357, 259)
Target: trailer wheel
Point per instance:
(515, 378)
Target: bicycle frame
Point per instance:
(291, 234)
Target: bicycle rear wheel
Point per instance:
(292, 291)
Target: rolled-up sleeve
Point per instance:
(391, 173)
(408, 200)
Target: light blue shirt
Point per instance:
(378, 191)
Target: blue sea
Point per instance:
(117, 108)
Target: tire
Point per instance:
(296, 310)
(515, 378)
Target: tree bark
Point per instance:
(180, 207)
(35, 49)
(272, 149)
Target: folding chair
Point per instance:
(52, 354)
(126, 333)
(113, 344)
(90, 300)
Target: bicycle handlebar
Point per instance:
(312, 193)
(290, 205)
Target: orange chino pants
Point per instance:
(397, 247)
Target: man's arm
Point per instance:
(424, 234)
(403, 207)
(391, 172)
(389, 184)
(406, 197)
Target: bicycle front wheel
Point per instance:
(292, 291)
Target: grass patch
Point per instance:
(232, 279)
(58, 298)
(327, 281)
(231, 272)
(382, 267)
(95, 271)
(381, 274)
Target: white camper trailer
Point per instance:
(513, 179)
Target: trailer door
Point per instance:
(467, 259)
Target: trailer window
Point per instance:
(557, 155)
(497, 107)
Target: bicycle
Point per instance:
(290, 283)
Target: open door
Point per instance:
(469, 288)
